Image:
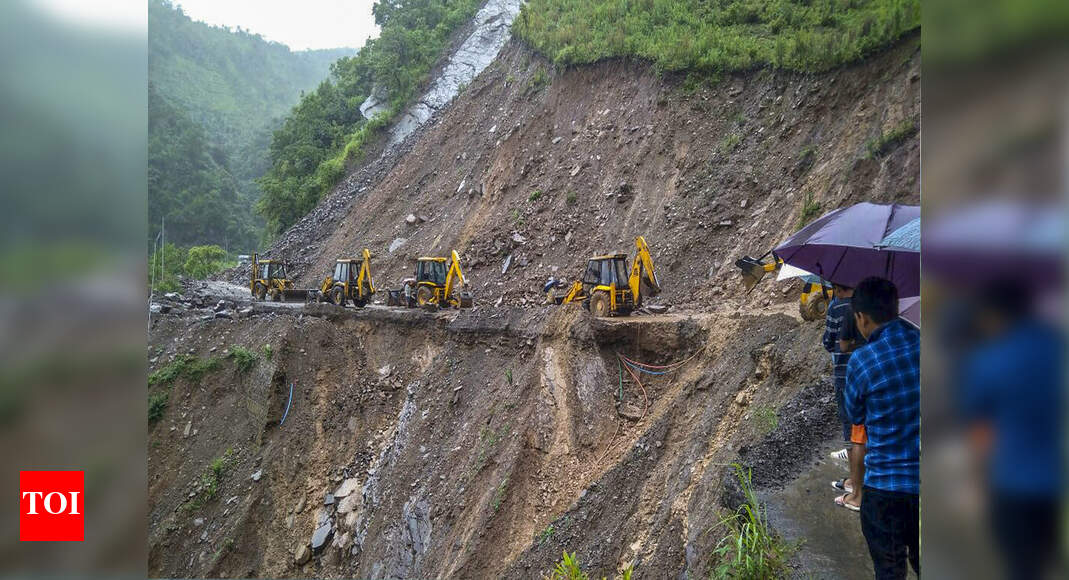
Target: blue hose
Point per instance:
(287, 407)
(642, 370)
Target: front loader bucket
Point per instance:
(752, 271)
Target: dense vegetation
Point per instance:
(215, 96)
(716, 35)
(325, 131)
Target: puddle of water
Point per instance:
(833, 547)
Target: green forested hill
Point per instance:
(227, 90)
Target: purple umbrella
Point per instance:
(844, 246)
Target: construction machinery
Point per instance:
(608, 286)
(350, 281)
(434, 285)
(812, 303)
(270, 282)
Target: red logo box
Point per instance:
(51, 506)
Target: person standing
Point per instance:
(883, 394)
(840, 339)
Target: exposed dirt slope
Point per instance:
(477, 445)
(705, 175)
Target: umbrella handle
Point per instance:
(823, 290)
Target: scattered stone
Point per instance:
(397, 243)
(743, 203)
(349, 503)
(322, 534)
(505, 266)
(300, 505)
(629, 411)
(516, 237)
(411, 219)
(328, 499)
(198, 522)
(256, 475)
(463, 182)
(740, 399)
(302, 555)
(494, 128)
(575, 170)
(348, 486)
(224, 314)
(557, 140)
(185, 432)
(173, 296)
(385, 371)
(658, 308)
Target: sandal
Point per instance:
(840, 485)
(841, 502)
(841, 455)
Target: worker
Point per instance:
(840, 339)
(883, 394)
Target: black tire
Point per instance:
(337, 296)
(599, 303)
(424, 295)
(359, 302)
(815, 309)
(259, 291)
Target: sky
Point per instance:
(299, 24)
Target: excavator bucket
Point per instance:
(752, 271)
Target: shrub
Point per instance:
(499, 496)
(157, 404)
(766, 418)
(185, 365)
(572, 198)
(730, 142)
(539, 80)
(810, 210)
(535, 195)
(750, 548)
(244, 358)
(568, 569)
(880, 146)
(268, 351)
(545, 534)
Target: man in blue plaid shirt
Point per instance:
(883, 394)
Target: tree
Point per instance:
(203, 261)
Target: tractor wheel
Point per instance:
(360, 302)
(273, 294)
(424, 295)
(599, 304)
(259, 291)
(337, 296)
(815, 309)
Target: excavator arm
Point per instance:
(455, 273)
(642, 269)
(753, 270)
(365, 274)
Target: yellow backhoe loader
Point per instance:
(608, 287)
(269, 281)
(434, 285)
(813, 302)
(350, 281)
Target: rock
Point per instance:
(156, 308)
(385, 371)
(198, 522)
(575, 170)
(657, 308)
(740, 399)
(742, 204)
(342, 541)
(568, 237)
(173, 296)
(302, 555)
(397, 243)
(516, 237)
(463, 182)
(629, 411)
(328, 499)
(557, 140)
(185, 432)
(505, 266)
(256, 475)
(322, 534)
(411, 219)
(224, 314)
(493, 129)
(300, 505)
(349, 503)
(348, 486)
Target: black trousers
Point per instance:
(890, 522)
(1027, 531)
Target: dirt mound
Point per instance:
(549, 168)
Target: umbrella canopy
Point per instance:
(844, 246)
(788, 271)
(909, 309)
(907, 237)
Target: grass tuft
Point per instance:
(880, 146)
(244, 358)
(810, 210)
(750, 548)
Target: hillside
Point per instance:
(236, 87)
(298, 440)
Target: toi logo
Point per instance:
(50, 506)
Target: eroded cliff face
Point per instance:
(474, 444)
